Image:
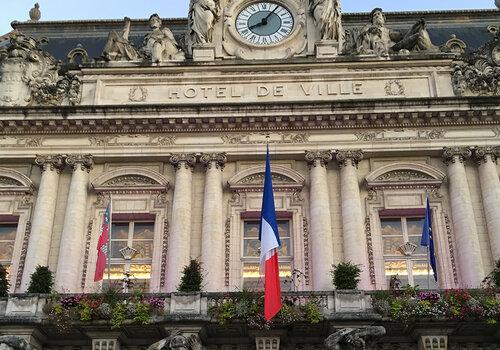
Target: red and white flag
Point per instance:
(102, 245)
(269, 244)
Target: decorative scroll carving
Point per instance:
(305, 233)
(484, 154)
(164, 251)
(8, 182)
(453, 154)
(478, 73)
(211, 159)
(404, 175)
(252, 138)
(352, 157)
(455, 45)
(183, 160)
(227, 251)
(369, 249)
(88, 239)
(85, 161)
(30, 76)
(55, 162)
(121, 140)
(318, 158)
(160, 199)
(449, 236)
(24, 251)
(353, 338)
(137, 94)
(257, 179)
(394, 88)
(130, 180)
(406, 135)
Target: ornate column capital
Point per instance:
(85, 161)
(454, 154)
(484, 154)
(214, 159)
(321, 158)
(186, 160)
(52, 162)
(345, 157)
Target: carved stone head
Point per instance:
(179, 342)
(377, 17)
(155, 21)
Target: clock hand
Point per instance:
(256, 25)
(269, 15)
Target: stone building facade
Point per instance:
(170, 122)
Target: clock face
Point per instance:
(264, 23)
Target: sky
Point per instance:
(117, 9)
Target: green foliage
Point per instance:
(495, 275)
(118, 315)
(346, 275)
(313, 314)
(142, 315)
(4, 282)
(41, 281)
(192, 278)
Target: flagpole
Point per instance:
(428, 267)
(109, 239)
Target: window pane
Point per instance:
(251, 229)
(285, 249)
(396, 267)
(8, 232)
(140, 271)
(116, 272)
(416, 240)
(391, 227)
(415, 226)
(115, 249)
(119, 231)
(6, 249)
(144, 230)
(420, 276)
(251, 248)
(391, 245)
(284, 228)
(253, 281)
(144, 249)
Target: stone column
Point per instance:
(490, 188)
(212, 235)
(320, 219)
(352, 213)
(464, 223)
(43, 216)
(73, 235)
(179, 245)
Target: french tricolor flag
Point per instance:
(269, 244)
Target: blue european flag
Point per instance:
(427, 239)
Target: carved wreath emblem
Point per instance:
(394, 88)
(138, 94)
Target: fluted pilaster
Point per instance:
(43, 216)
(212, 235)
(73, 234)
(464, 224)
(486, 158)
(352, 224)
(180, 230)
(320, 219)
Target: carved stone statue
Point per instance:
(202, 17)
(178, 341)
(30, 76)
(353, 338)
(118, 47)
(376, 38)
(328, 17)
(35, 13)
(12, 342)
(160, 44)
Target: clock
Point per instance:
(264, 23)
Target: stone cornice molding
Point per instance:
(85, 161)
(318, 158)
(405, 175)
(389, 113)
(346, 157)
(50, 162)
(483, 155)
(214, 159)
(453, 154)
(186, 160)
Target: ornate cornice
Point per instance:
(318, 158)
(454, 154)
(214, 159)
(52, 162)
(85, 161)
(186, 160)
(482, 155)
(346, 157)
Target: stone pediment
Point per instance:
(405, 174)
(13, 181)
(252, 179)
(130, 178)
